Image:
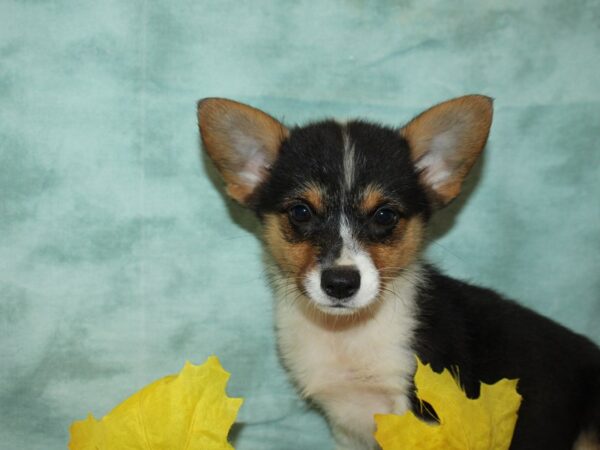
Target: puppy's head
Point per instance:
(344, 206)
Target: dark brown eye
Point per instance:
(385, 216)
(300, 213)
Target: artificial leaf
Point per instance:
(188, 411)
(485, 423)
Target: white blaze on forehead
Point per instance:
(349, 245)
(348, 159)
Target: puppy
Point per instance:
(345, 208)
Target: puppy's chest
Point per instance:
(369, 364)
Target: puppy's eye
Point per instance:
(300, 213)
(385, 216)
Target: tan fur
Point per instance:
(371, 198)
(294, 259)
(391, 259)
(315, 197)
(587, 441)
(469, 119)
(225, 127)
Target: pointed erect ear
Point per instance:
(242, 141)
(445, 142)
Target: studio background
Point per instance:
(120, 259)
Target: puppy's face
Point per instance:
(343, 211)
(344, 206)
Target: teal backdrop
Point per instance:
(120, 258)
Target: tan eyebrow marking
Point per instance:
(315, 196)
(371, 198)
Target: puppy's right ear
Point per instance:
(242, 141)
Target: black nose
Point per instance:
(340, 282)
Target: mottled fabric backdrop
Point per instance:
(120, 259)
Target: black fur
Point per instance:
(486, 336)
(489, 338)
(314, 154)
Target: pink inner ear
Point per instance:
(436, 163)
(252, 159)
(254, 170)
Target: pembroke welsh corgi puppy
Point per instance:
(345, 207)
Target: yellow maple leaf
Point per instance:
(485, 423)
(188, 411)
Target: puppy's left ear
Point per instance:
(445, 142)
(242, 141)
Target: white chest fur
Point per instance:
(352, 367)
